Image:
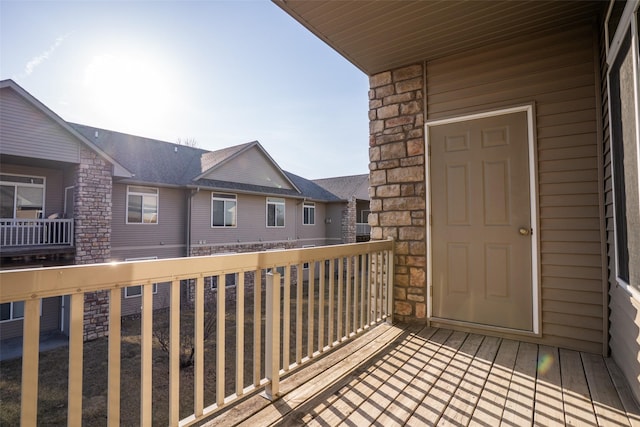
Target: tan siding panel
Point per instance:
(564, 247)
(556, 73)
(625, 335)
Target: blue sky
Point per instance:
(220, 72)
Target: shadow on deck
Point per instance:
(407, 375)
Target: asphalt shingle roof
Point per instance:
(347, 186)
(164, 163)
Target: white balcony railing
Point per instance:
(35, 232)
(351, 291)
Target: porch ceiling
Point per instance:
(382, 35)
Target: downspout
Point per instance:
(188, 225)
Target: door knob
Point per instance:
(524, 231)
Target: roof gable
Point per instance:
(30, 129)
(244, 164)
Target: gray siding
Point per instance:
(252, 222)
(555, 72)
(49, 320)
(137, 240)
(251, 167)
(133, 305)
(28, 132)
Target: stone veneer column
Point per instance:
(92, 224)
(397, 179)
(349, 217)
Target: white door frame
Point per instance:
(533, 191)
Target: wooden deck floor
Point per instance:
(403, 375)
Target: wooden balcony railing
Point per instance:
(347, 288)
(35, 232)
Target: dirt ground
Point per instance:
(53, 371)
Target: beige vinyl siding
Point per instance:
(28, 132)
(169, 231)
(556, 73)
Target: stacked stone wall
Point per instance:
(397, 180)
(92, 224)
(349, 217)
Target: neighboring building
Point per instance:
(355, 189)
(504, 158)
(75, 194)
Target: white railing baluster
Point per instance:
(347, 302)
(299, 290)
(339, 333)
(332, 273)
(220, 339)
(174, 353)
(311, 286)
(257, 326)
(198, 369)
(30, 358)
(146, 355)
(389, 285)
(272, 339)
(113, 382)
(286, 319)
(363, 295)
(76, 321)
(240, 334)
(356, 301)
(321, 286)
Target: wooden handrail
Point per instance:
(359, 298)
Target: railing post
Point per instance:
(389, 281)
(272, 339)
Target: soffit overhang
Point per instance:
(378, 36)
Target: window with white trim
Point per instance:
(275, 212)
(136, 291)
(309, 213)
(21, 196)
(142, 205)
(11, 311)
(224, 210)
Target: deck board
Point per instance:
(410, 375)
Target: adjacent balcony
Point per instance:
(19, 234)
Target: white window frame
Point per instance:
(155, 285)
(627, 23)
(276, 202)
(224, 197)
(17, 184)
(311, 207)
(153, 192)
(12, 317)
